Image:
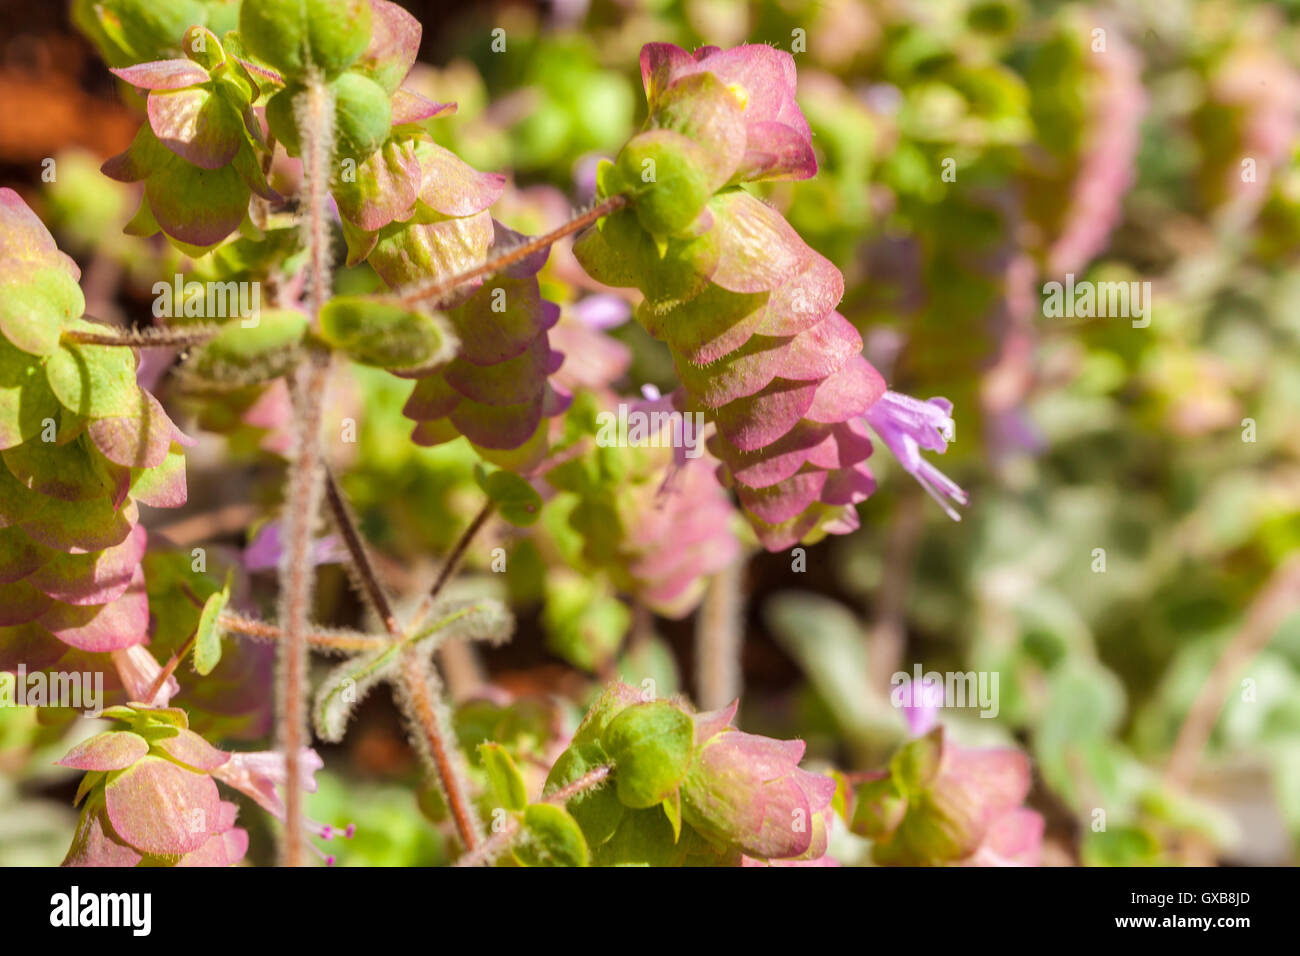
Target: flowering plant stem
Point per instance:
(315, 117)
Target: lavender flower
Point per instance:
(906, 425)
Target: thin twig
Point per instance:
(340, 642)
(439, 288)
(186, 336)
(170, 667)
(364, 567)
(1274, 602)
(500, 842)
(453, 561)
(414, 676)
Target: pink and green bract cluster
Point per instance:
(496, 392)
(746, 307)
(689, 788)
(941, 804)
(151, 795)
(198, 152)
(81, 447)
(661, 527)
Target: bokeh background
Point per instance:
(1127, 564)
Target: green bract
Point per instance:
(388, 336)
(296, 35)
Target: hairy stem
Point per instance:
(419, 687)
(453, 562)
(422, 699)
(339, 642)
(489, 850)
(187, 336)
(718, 639)
(314, 113)
(439, 288)
(362, 565)
(1275, 601)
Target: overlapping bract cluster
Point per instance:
(690, 788)
(151, 795)
(82, 446)
(661, 528)
(198, 152)
(942, 804)
(746, 307)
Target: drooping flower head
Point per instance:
(761, 80)
(746, 307)
(151, 797)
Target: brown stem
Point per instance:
(439, 288)
(346, 643)
(1274, 602)
(425, 712)
(170, 668)
(179, 337)
(367, 577)
(452, 562)
(416, 679)
(297, 575)
(494, 847)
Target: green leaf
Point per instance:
(551, 837)
(25, 398)
(516, 499)
(507, 781)
(36, 304)
(295, 35)
(207, 641)
(384, 334)
(238, 356)
(651, 745)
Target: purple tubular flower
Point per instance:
(262, 774)
(920, 703)
(906, 425)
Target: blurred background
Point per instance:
(1127, 565)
